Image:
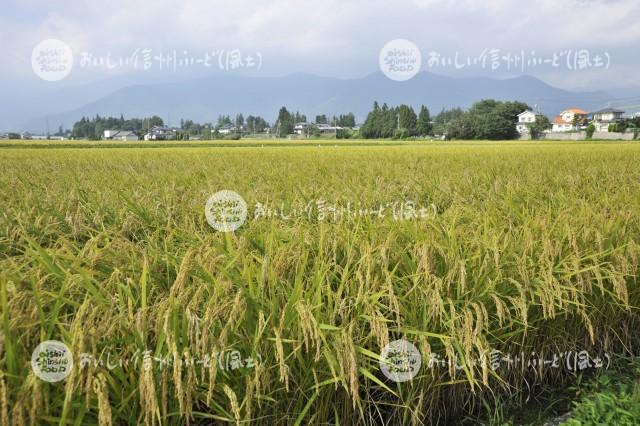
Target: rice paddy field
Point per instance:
(462, 249)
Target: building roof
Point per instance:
(527, 112)
(576, 111)
(558, 120)
(609, 111)
(119, 133)
(161, 129)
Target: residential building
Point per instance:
(159, 133)
(570, 120)
(119, 135)
(27, 135)
(301, 128)
(525, 120)
(605, 117)
(228, 129)
(327, 128)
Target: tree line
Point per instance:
(93, 128)
(485, 120)
(399, 122)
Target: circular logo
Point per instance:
(400, 60)
(52, 60)
(226, 211)
(52, 361)
(400, 361)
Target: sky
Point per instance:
(335, 38)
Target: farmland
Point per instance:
(519, 247)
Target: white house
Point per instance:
(327, 128)
(27, 135)
(159, 133)
(301, 128)
(605, 117)
(119, 135)
(227, 129)
(570, 120)
(525, 120)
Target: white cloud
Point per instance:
(326, 37)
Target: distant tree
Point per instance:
(155, 121)
(93, 128)
(591, 129)
(541, 124)
(321, 119)
(446, 116)
(251, 124)
(488, 119)
(299, 118)
(224, 120)
(387, 122)
(424, 126)
(285, 122)
(373, 125)
(346, 120)
(256, 124)
(407, 121)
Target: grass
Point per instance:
(533, 247)
(612, 398)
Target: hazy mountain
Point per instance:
(204, 99)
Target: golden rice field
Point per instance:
(524, 247)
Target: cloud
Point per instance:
(326, 37)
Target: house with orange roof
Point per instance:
(570, 120)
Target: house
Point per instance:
(227, 129)
(160, 133)
(27, 135)
(301, 128)
(570, 120)
(326, 128)
(525, 120)
(4, 135)
(119, 135)
(605, 117)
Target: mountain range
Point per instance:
(204, 99)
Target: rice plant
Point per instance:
(526, 248)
